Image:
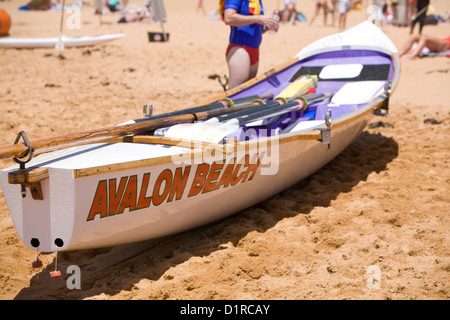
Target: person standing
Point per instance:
(343, 7)
(247, 24)
(421, 13)
(201, 7)
(334, 14)
(320, 5)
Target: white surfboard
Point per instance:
(51, 42)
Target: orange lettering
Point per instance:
(129, 196)
(235, 179)
(179, 183)
(166, 176)
(252, 168)
(100, 202)
(226, 176)
(144, 201)
(212, 177)
(199, 179)
(115, 197)
(111, 199)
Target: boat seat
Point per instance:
(340, 71)
(350, 96)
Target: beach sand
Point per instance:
(381, 206)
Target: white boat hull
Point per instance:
(61, 222)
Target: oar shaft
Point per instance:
(219, 105)
(299, 104)
(240, 113)
(310, 98)
(100, 135)
(274, 107)
(94, 136)
(272, 112)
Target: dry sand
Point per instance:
(383, 202)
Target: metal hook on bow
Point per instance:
(29, 153)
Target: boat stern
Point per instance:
(40, 201)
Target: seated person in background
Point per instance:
(289, 10)
(432, 43)
(140, 14)
(37, 5)
(114, 5)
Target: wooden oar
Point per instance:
(219, 105)
(295, 90)
(183, 143)
(214, 131)
(310, 98)
(298, 104)
(21, 150)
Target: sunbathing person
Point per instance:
(139, 15)
(416, 43)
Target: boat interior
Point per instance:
(350, 80)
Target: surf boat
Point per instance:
(164, 174)
(82, 41)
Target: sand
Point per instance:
(380, 209)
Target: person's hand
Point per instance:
(269, 23)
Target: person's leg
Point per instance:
(238, 66)
(295, 12)
(285, 15)
(345, 19)
(316, 12)
(253, 70)
(420, 45)
(408, 44)
(413, 23)
(341, 21)
(421, 22)
(325, 13)
(335, 12)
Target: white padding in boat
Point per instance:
(307, 125)
(358, 92)
(341, 71)
(256, 123)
